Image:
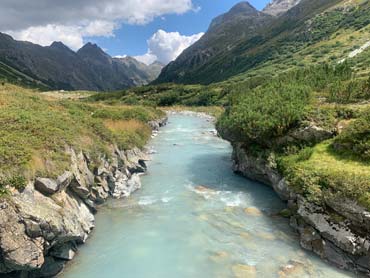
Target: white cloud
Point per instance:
(147, 58)
(69, 21)
(45, 35)
(167, 46)
(99, 28)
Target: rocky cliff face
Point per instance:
(338, 231)
(278, 7)
(42, 226)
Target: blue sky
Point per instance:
(132, 39)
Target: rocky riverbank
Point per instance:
(337, 231)
(42, 226)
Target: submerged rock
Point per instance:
(244, 271)
(295, 269)
(253, 211)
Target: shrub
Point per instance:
(265, 113)
(355, 139)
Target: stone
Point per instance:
(50, 268)
(266, 236)
(244, 271)
(100, 195)
(292, 269)
(91, 205)
(46, 186)
(18, 251)
(154, 125)
(253, 211)
(33, 228)
(64, 180)
(338, 233)
(80, 190)
(65, 252)
(134, 183)
(83, 177)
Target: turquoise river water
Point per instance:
(194, 218)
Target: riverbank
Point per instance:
(336, 229)
(337, 232)
(306, 134)
(194, 217)
(42, 226)
(63, 159)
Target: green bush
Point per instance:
(266, 112)
(355, 139)
(349, 92)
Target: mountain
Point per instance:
(312, 31)
(279, 7)
(141, 73)
(224, 33)
(58, 67)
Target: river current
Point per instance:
(194, 218)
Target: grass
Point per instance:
(36, 130)
(319, 172)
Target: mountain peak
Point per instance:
(92, 50)
(278, 7)
(90, 46)
(242, 7)
(240, 11)
(59, 45)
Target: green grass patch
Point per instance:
(316, 171)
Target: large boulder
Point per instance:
(18, 251)
(46, 186)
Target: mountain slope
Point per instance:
(58, 67)
(282, 43)
(224, 33)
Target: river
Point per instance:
(195, 218)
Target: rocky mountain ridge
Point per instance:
(278, 7)
(58, 67)
(277, 37)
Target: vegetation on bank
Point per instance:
(328, 99)
(36, 132)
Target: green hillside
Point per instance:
(11, 75)
(312, 32)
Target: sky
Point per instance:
(148, 30)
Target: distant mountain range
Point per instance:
(286, 33)
(58, 67)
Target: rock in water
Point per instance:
(253, 211)
(244, 271)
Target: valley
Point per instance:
(246, 156)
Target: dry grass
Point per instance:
(121, 125)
